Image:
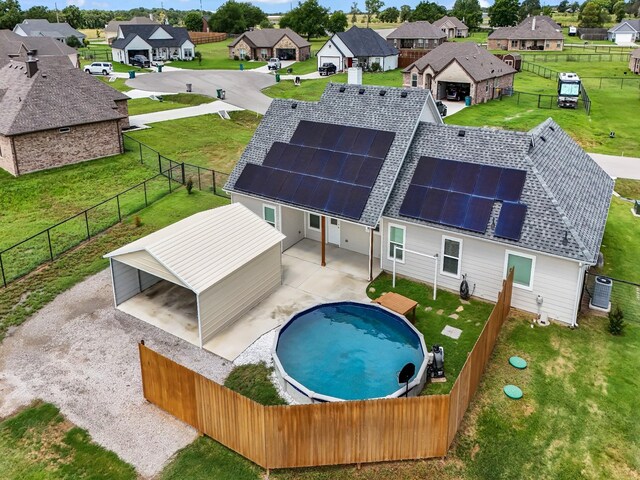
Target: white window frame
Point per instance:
(404, 242)
(533, 268)
(442, 255)
(275, 214)
(309, 222)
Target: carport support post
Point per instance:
(370, 254)
(323, 234)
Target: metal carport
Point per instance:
(227, 258)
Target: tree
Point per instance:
(73, 16)
(405, 13)
(593, 16)
(373, 8)
(235, 17)
(574, 7)
(10, 14)
(469, 11)
(503, 13)
(616, 321)
(529, 8)
(429, 11)
(308, 19)
(253, 15)
(73, 42)
(547, 10)
(38, 11)
(337, 22)
(389, 15)
(620, 10)
(563, 6)
(265, 23)
(354, 13)
(193, 21)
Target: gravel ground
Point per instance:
(81, 354)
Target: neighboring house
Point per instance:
(111, 29)
(452, 27)
(373, 170)
(53, 115)
(282, 43)
(358, 47)
(415, 39)
(13, 45)
(42, 28)
(460, 69)
(627, 31)
(634, 61)
(155, 42)
(533, 33)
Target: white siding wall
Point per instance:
(554, 278)
(356, 238)
(390, 62)
(292, 225)
(125, 281)
(232, 297)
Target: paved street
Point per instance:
(618, 167)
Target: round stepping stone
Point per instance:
(518, 362)
(512, 391)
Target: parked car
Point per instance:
(99, 68)
(442, 108)
(452, 94)
(327, 69)
(274, 64)
(140, 61)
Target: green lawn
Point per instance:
(118, 83)
(628, 188)
(38, 443)
(215, 56)
(169, 102)
(475, 37)
(253, 381)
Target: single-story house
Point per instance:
(634, 61)
(13, 45)
(54, 115)
(452, 27)
(155, 42)
(358, 47)
(460, 69)
(415, 39)
(625, 32)
(374, 170)
(197, 276)
(282, 43)
(539, 32)
(111, 28)
(42, 28)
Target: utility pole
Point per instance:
(57, 14)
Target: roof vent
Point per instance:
(342, 89)
(361, 91)
(404, 94)
(461, 133)
(551, 128)
(565, 240)
(383, 93)
(542, 138)
(294, 105)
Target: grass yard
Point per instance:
(628, 188)
(118, 83)
(475, 37)
(215, 56)
(38, 443)
(169, 102)
(252, 381)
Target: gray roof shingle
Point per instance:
(42, 28)
(456, 22)
(268, 37)
(545, 29)
(365, 42)
(112, 26)
(477, 61)
(179, 35)
(421, 29)
(633, 24)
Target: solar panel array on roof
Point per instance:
(325, 167)
(462, 194)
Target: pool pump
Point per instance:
(435, 366)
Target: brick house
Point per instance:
(54, 115)
(634, 61)
(460, 69)
(452, 27)
(414, 40)
(266, 43)
(533, 33)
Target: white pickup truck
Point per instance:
(274, 64)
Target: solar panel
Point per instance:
(443, 176)
(511, 185)
(305, 133)
(251, 173)
(319, 161)
(363, 141)
(511, 220)
(289, 187)
(381, 144)
(302, 163)
(413, 200)
(331, 136)
(487, 183)
(433, 204)
(455, 209)
(321, 195)
(369, 172)
(274, 153)
(465, 178)
(351, 167)
(334, 165)
(425, 169)
(338, 196)
(347, 139)
(357, 201)
(306, 191)
(478, 213)
(287, 159)
(276, 180)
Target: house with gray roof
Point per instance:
(415, 39)
(54, 115)
(452, 27)
(13, 45)
(456, 70)
(155, 42)
(358, 47)
(539, 32)
(625, 32)
(111, 28)
(266, 43)
(374, 171)
(43, 28)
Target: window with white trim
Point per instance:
(397, 239)
(269, 214)
(414, 79)
(524, 266)
(314, 221)
(451, 255)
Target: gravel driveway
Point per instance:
(81, 354)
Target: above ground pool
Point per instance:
(348, 351)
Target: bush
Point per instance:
(236, 58)
(137, 221)
(375, 67)
(198, 55)
(616, 321)
(189, 185)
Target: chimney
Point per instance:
(533, 24)
(32, 64)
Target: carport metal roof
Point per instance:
(201, 250)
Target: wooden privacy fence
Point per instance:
(198, 38)
(326, 433)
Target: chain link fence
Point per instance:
(624, 294)
(576, 57)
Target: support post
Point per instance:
(49, 240)
(370, 254)
(323, 234)
(4, 278)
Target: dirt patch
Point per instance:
(42, 444)
(474, 451)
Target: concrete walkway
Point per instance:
(307, 76)
(213, 107)
(618, 166)
(145, 94)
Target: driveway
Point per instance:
(617, 166)
(242, 88)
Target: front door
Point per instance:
(334, 231)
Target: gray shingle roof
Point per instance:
(545, 29)
(421, 29)
(42, 28)
(113, 25)
(56, 96)
(179, 35)
(477, 61)
(634, 25)
(456, 22)
(268, 37)
(565, 190)
(365, 42)
(370, 110)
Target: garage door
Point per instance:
(286, 53)
(624, 37)
(334, 60)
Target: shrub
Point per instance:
(137, 221)
(189, 185)
(198, 55)
(236, 58)
(375, 67)
(616, 321)
(257, 59)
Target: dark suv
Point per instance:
(140, 61)
(442, 108)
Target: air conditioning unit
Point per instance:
(601, 298)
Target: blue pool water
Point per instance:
(348, 350)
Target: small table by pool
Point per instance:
(399, 304)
